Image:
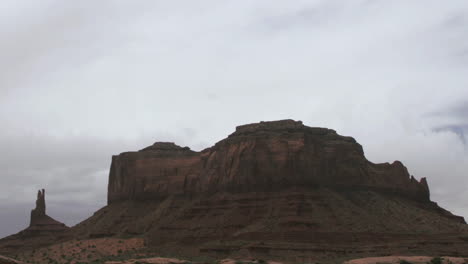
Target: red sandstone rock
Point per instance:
(42, 230)
(272, 190)
(40, 221)
(39, 212)
(266, 156)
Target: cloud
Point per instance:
(459, 130)
(452, 118)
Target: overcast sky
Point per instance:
(83, 80)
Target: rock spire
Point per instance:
(40, 210)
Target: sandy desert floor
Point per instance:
(84, 251)
(132, 251)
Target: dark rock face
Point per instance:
(38, 212)
(153, 172)
(42, 230)
(265, 156)
(40, 221)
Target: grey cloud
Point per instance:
(452, 118)
(15, 217)
(460, 111)
(53, 35)
(310, 17)
(459, 130)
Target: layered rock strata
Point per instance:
(266, 156)
(271, 190)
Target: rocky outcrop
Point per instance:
(42, 230)
(265, 156)
(6, 260)
(39, 212)
(153, 172)
(40, 221)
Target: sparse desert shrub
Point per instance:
(405, 262)
(436, 260)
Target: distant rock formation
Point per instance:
(42, 230)
(265, 156)
(40, 210)
(40, 221)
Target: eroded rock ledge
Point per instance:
(264, 156)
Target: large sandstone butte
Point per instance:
(277, 189)
(268, 156)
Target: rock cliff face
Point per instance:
(266, 156)
(273, 189)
